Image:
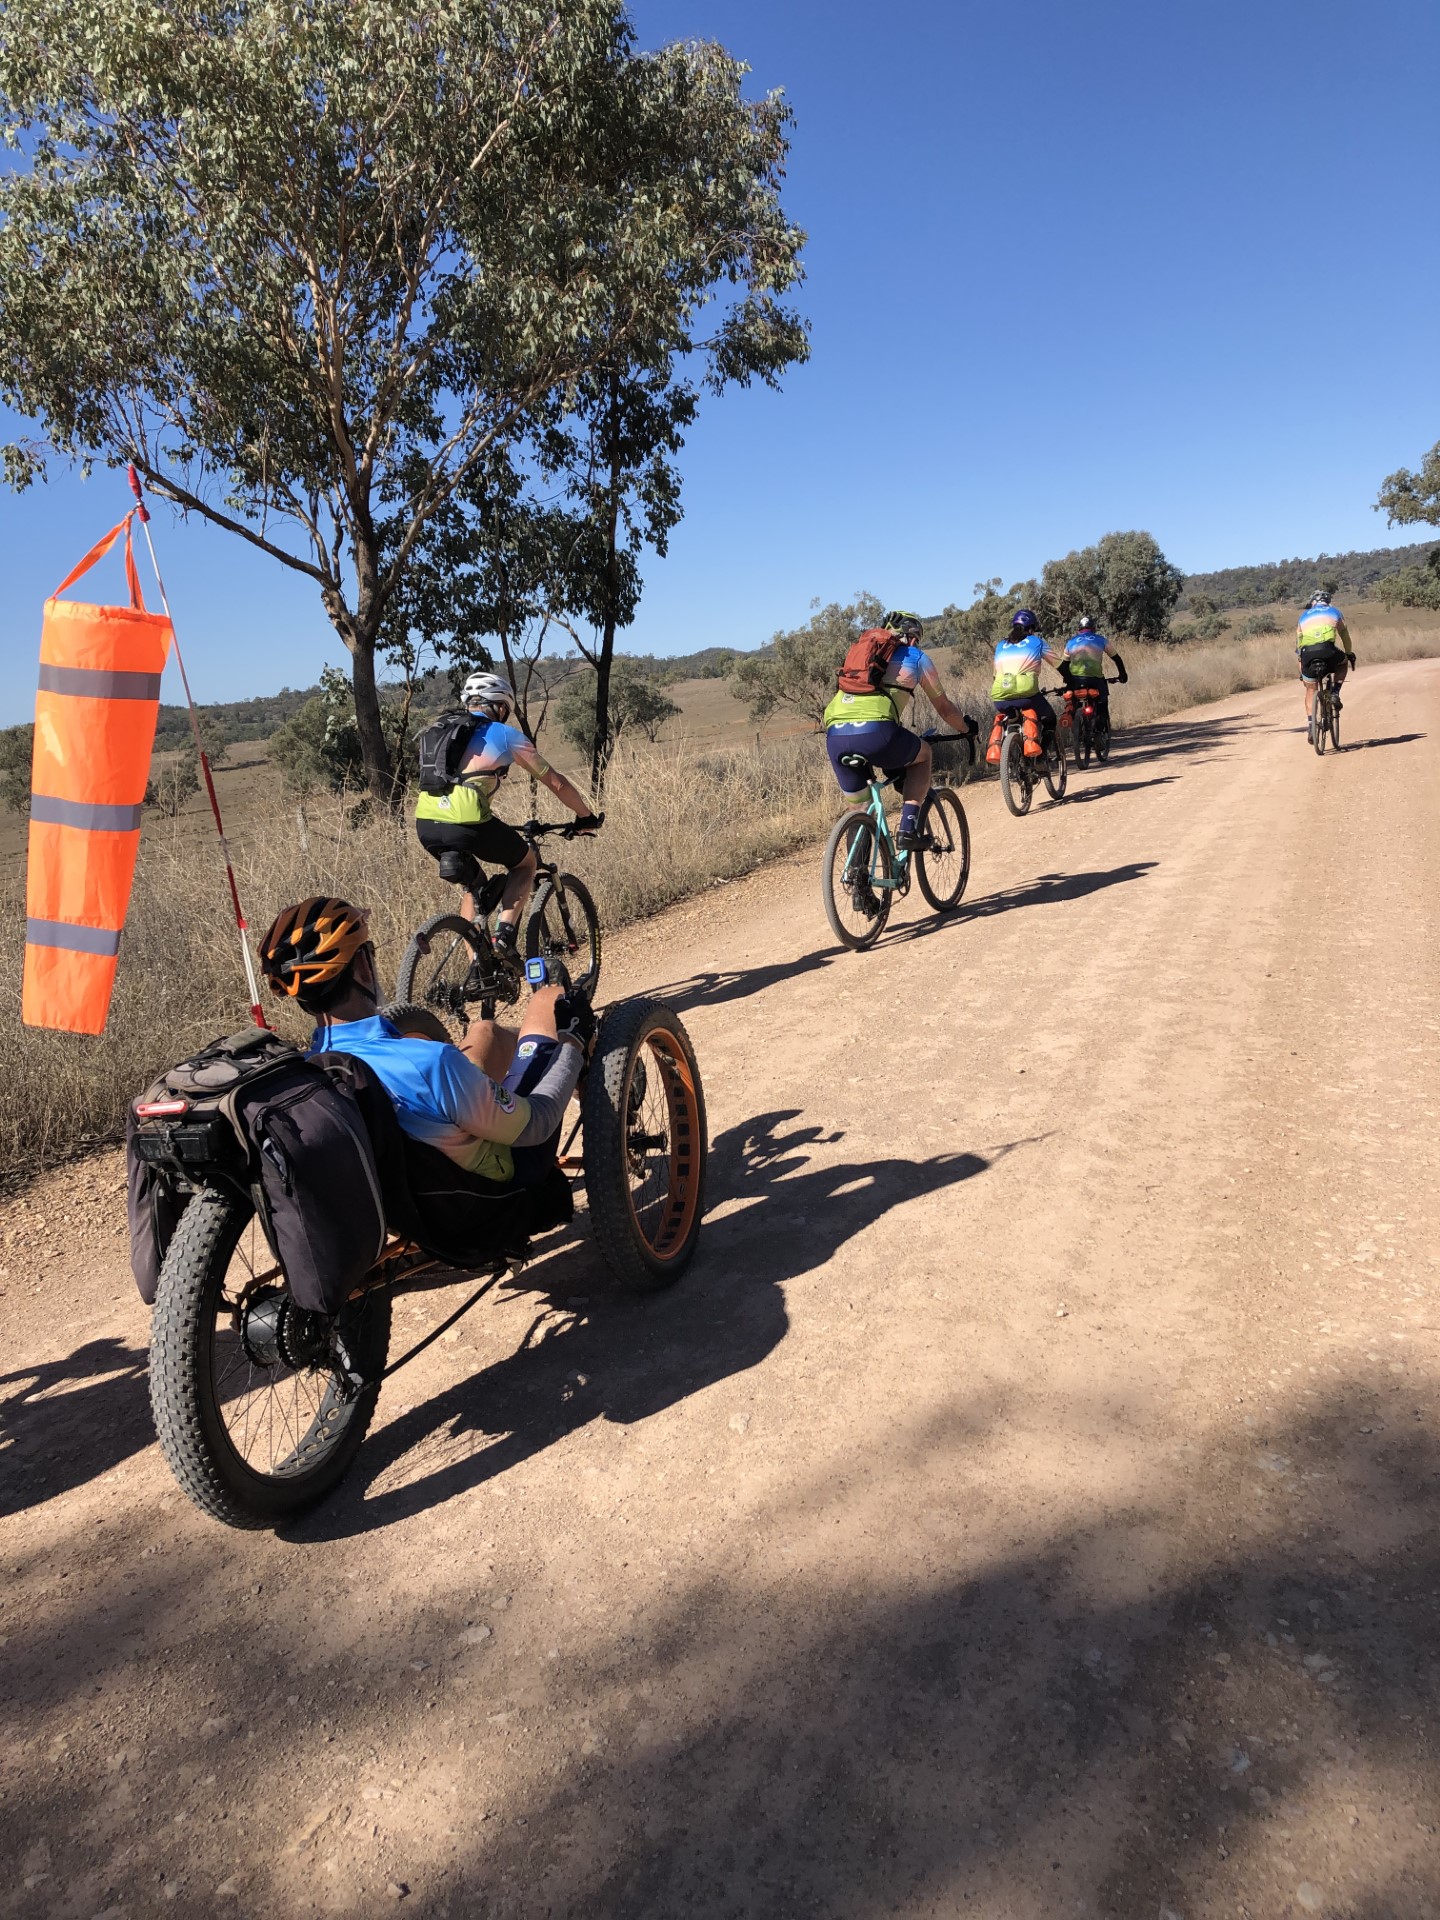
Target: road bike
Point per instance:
(452, 968)
(1324, 722)
(1019, 775)
(864, 870)
(1089, 724)
(261, 1405)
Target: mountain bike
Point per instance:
(1089, 724)
(1324, 722)
(864, 870)
(451, 966)
(1019, 775)
(261, 1405)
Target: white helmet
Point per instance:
(488, 690)
(1085, 624)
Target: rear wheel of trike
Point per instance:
(255, 1401)
(645, 1144)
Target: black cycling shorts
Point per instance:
(489, 840)
(1326, 658)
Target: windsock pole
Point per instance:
(256, 1013)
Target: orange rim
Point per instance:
(663, 1219)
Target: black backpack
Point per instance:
(296, 1137)
(441, 749)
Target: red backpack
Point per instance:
(864, 667)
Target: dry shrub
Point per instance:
(676, 821)
(674, 824)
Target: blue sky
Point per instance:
(1071, 268)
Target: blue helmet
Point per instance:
(1025, 621)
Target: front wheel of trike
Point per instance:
(258, 1405)
(643, 1110)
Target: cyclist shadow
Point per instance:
(738, 983)
(1390, 740)
(1084, 794)
(1047, 889)
(65, 1422)
(592, 1353)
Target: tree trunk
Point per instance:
(600, 741)
(374, 754)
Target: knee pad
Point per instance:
(460, 868)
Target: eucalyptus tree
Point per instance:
(1408, 498)
(312, 264)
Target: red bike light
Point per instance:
(154, 1109)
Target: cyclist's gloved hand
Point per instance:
(972, 727)
(575, 1019)
(584, 823)
(1352, 661)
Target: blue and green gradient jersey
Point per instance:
(494, 748)
(1017, 666)
(908, 669)
(1318, 626)
(1085, 655)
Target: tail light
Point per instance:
(160, 1109)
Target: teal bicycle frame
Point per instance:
(899, 856)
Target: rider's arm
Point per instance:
(477, 1105)
(527, 758)
(1114, 653)
(940, 700)
(1344, 635)
(1049, 653)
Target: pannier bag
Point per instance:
(863, 669)
(441, 750)
(302, 1149)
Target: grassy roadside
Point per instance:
(680, 817)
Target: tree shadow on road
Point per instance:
(593, 1353)
(1102, 1710)
(65, 1422)
(1167, 739)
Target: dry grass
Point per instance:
(679, 817)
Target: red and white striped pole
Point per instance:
(256, 1013)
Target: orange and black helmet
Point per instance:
(311, 944)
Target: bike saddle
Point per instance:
(856, 762)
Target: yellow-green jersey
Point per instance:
(494, 748)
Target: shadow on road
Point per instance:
(1078, 796)
(1165, 739)
(1390, 740)
(738, 983)
(1049, 889)
(1101, 1711)
(593, 1353)
(65, 1422)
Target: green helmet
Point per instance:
(910, 624)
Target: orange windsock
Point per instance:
(95, 718)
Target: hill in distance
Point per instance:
(1255, 586)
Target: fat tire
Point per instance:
(191, 1436)
(603, 1107)
(848, 938)
(417, 1022)
(940, 800)
(579, 894)
(1014, 782)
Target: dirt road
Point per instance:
(1026, 1507)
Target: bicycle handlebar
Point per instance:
(538, 829)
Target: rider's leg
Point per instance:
(492, 1047)
(913, 789)
(518, 887)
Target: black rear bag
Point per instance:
(262, 1116)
